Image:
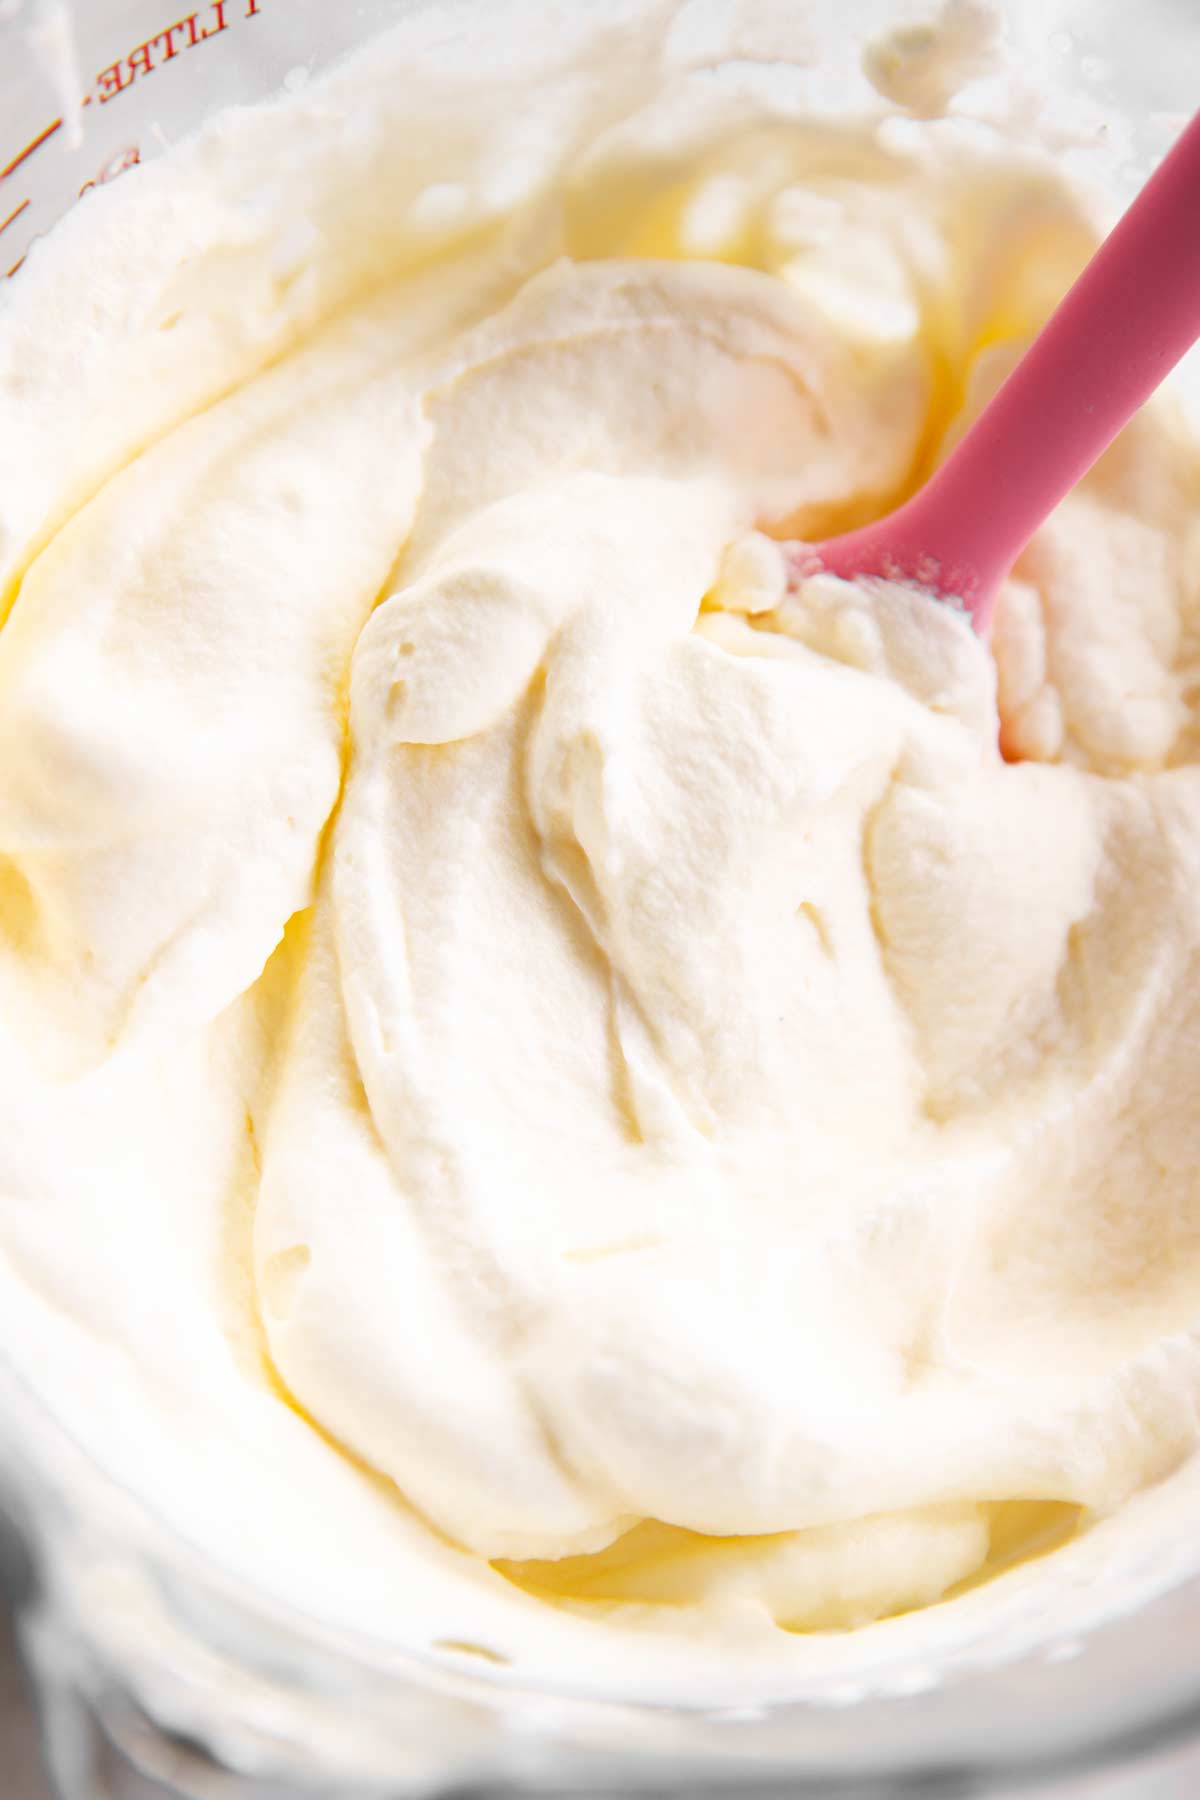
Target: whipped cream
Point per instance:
(559, 1094)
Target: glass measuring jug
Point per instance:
(88, 91)
(411, 1725)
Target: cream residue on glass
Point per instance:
(557, 1093)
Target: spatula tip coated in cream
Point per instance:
(1123, 326)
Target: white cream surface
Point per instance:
(555, 1093)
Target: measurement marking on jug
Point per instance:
(188, 33)
(22, 155)
(118, 162)
(13, 216)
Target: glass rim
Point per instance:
(890, 1743)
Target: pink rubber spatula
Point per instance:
(1124, 325)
